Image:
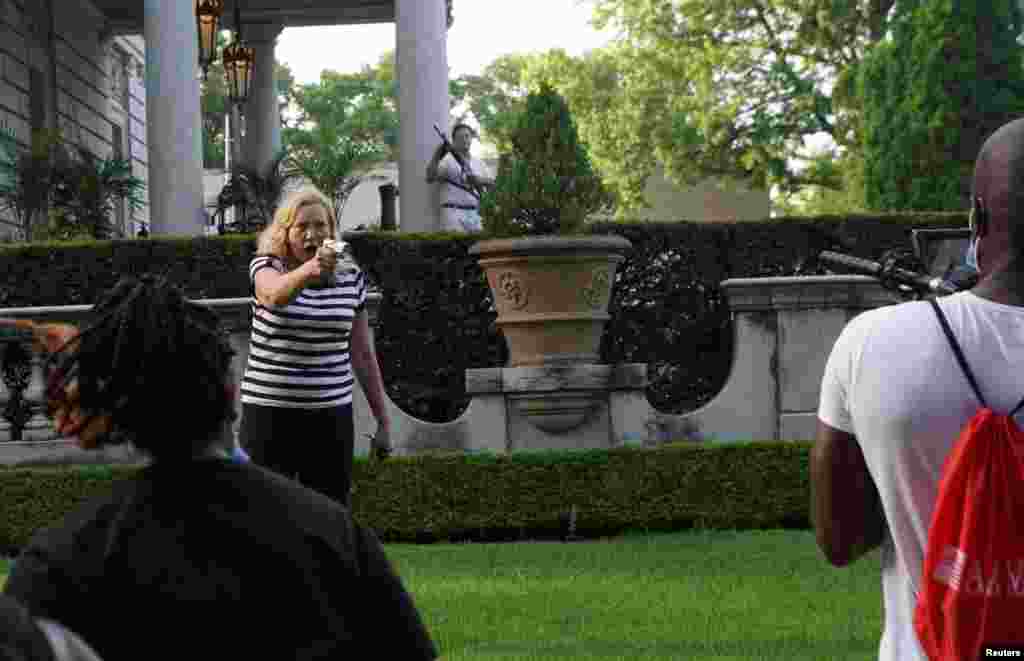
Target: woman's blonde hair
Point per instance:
(274, 239)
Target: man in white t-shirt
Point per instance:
(894, 399)
(461, 184)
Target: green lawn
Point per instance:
(701, 595)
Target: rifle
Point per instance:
(905, 280)
(466, 171)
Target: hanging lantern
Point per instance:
(239, 62)
(208, 13)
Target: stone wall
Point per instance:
(84, 81)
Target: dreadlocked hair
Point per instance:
(157, 363)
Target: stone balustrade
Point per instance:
(784, 330)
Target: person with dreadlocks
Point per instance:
(195, 544)
(310, 336)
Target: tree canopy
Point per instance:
(729, 90)
(734, 88)
(949, 77)
(773, 94)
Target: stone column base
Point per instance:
(558, 407)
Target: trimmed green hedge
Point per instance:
(484, 497)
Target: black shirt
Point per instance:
(214, 559)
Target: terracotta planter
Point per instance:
(551, 294)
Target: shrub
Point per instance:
(546, 183)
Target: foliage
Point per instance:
(951, 75)
(546, 183)
(814, 200)
(86, 190)
(345, 124)
(26, 179)
(496, 97)
(361, 107)
(336, 164)
(254, 194)
(462, 495)
(724, 90)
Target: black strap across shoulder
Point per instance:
(959, 354)
(963, 361)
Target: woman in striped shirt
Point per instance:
(309, 336)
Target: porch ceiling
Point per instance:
(126, 16)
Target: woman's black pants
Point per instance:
(312, 446)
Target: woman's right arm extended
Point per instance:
(275, 289)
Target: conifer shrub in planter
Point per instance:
(550, 280)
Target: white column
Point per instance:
(422, 72)
(173, 122)
(262, 116)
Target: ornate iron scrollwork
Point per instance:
(17, 373)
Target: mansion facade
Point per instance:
(66, 72)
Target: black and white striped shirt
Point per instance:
(299, 354)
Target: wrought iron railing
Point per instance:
(22, 395)
(22, 401)
(17, 368)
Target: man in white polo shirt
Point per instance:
(461, 182)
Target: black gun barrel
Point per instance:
(921, 282)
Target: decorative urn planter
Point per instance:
(551, 294)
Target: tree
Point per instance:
(86, 190)
(814, 200)
(26, 179)
(729, 89)
(949, 77)
(361, 106)
(345, 124)
(547, 184)
(495, 98)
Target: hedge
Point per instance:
(524, 495)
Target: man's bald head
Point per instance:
(999, 173)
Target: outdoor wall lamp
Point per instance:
(239, 62)
(208, 13)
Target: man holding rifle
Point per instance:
(463, 177)
(894, 398)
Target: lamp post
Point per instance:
(239, 62)
(208, 13)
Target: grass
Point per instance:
(694, 595)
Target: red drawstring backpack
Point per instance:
(972, 592)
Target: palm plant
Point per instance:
(335, 164)
(254, 194)
(85, 193)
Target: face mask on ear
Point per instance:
(977, 210)
(972, 254)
